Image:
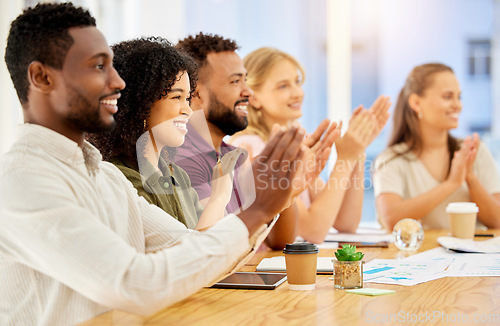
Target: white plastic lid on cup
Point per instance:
(462, 208)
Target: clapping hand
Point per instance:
(380, 109)
(365, 125)
(463, 159)
(317, 148)
(473, 143)
(358, 135)
(316, 151)
(222, 176)
(274, 171)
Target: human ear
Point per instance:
(254, 102)
(414, 103)
(197, 98)
(40, 77)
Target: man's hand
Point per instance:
(273, 173)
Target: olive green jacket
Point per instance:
(172, 192)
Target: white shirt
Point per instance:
(76, 240)
(406, 176)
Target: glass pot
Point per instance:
(348, 274)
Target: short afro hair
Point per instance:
(41, 34)
(149, 66)
(201, 45)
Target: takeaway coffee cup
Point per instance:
(301, 260)
(462, 217)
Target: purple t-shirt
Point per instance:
(198, 158)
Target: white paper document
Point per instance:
(404, 272)
(491, 246)
(328, 245)
(463, 265)
(366, 235)
(431, 265)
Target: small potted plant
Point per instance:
(348, 268)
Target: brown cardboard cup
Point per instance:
(462, 217)
(301, 260)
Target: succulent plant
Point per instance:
(348, 253)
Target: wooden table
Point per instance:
(451, 299)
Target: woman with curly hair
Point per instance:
(151, 122)
(425, 167)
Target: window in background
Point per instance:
(479, 60)
(478, 86)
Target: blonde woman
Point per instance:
(425, 167)
(276, 79)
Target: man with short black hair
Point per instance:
(222, 94)
(76, 239)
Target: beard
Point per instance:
(85, 116)
(224, 117)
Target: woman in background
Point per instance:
(425, 167)
(276, 79)
(151, 122)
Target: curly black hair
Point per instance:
(41, 34)
(149, 66)
(201, 45)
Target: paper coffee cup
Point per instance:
(301, 260)
(462, 217)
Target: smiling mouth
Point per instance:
(295, 106)
(242, 108)
(181, 125)
(110, 105)
(110, 102)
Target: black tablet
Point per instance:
(252, 281)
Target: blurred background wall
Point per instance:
(352, 50)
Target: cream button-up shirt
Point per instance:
(406, 176)
(76, 240)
